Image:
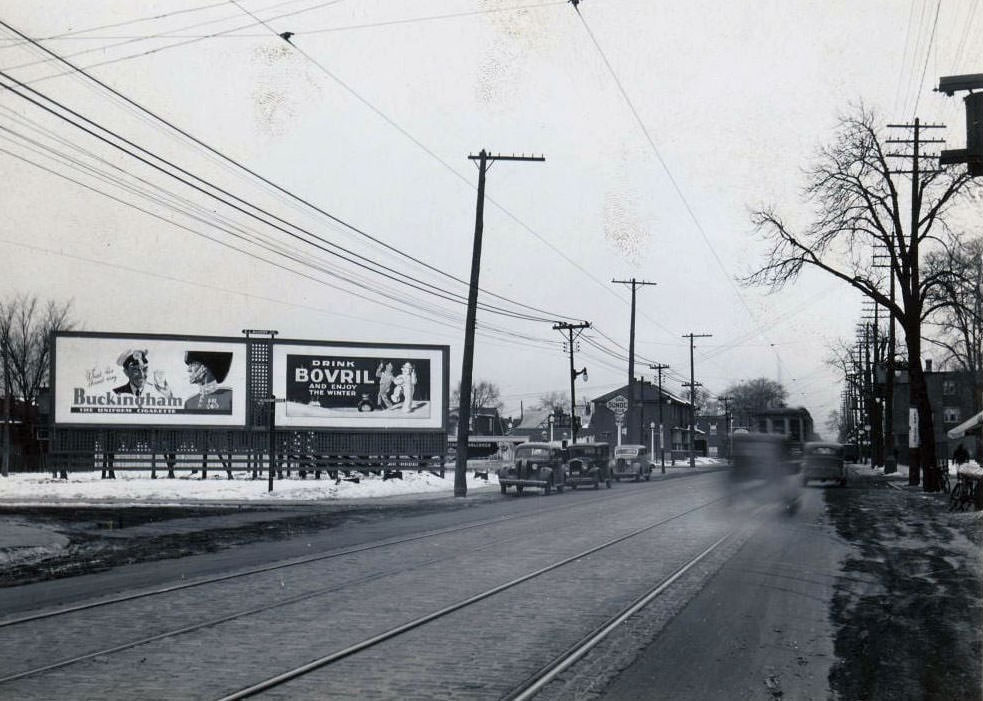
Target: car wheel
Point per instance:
(547, 489)
(503, 488)
(518, 489)
(559, 489)
(843, 482)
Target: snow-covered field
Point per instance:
(137, 487)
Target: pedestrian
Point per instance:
(960, 455)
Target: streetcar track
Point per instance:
(166, 589)
(338, 655)
(239, 614)
(558, 665)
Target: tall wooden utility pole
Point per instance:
(727, 431)
(464, 410)
(570, 328)
(921, 439)
(631, 355)
(658, 367)
(692, 396)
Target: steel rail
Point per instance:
(166, 589)
(548, 673)
(338, 655)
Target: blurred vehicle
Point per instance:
(758, 456)
(632, 460)
(771, 461)
(537, 465)
(823, 461)
(588, 464)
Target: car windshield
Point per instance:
(626, 452)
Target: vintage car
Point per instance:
(588, 464)
(539, 465)
(632, 460)
(823, 461)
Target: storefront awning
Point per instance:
(966, 427)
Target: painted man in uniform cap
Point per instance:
(208, 369)
(136, 365)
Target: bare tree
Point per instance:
(484, 394)
(858, 212)
(751, 396)
(556, 402)
(26, 325)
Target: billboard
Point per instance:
(148, 381)
(360, 386)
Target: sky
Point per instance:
(663, 126)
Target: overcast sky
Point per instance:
(663, 124)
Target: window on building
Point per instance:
(948, 386)
(763, 425)
(951, 414)
(796, 426)
(713, 429)
(779, 426)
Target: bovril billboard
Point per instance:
(148, 380)
(360, 386)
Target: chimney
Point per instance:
(928, 365)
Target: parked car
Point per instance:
(538, 465)
(632, 460)
(823, 461)
(588, 464)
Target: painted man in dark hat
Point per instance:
(208, 369)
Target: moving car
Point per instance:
(538, 465)
(823, 461)
(632, 460)
(588, 464)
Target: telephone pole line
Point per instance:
(570, 328)
(692, 396)
(631, 354)
(659, 367)
(467, 364)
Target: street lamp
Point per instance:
(550, 422)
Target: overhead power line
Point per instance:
(547, 315)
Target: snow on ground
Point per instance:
(137, 487)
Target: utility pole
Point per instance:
(631, 353)
(570, 328)
(918, 390)
(727, 401)
(6, 405)
(467, 365)
(692, 396)
(658, 367)
(890, 461)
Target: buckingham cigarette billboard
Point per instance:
(121, 380)
(363, 386)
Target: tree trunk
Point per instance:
(923, 457)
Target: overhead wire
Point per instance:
(410, 309)
(227, 159)
(367, 264)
